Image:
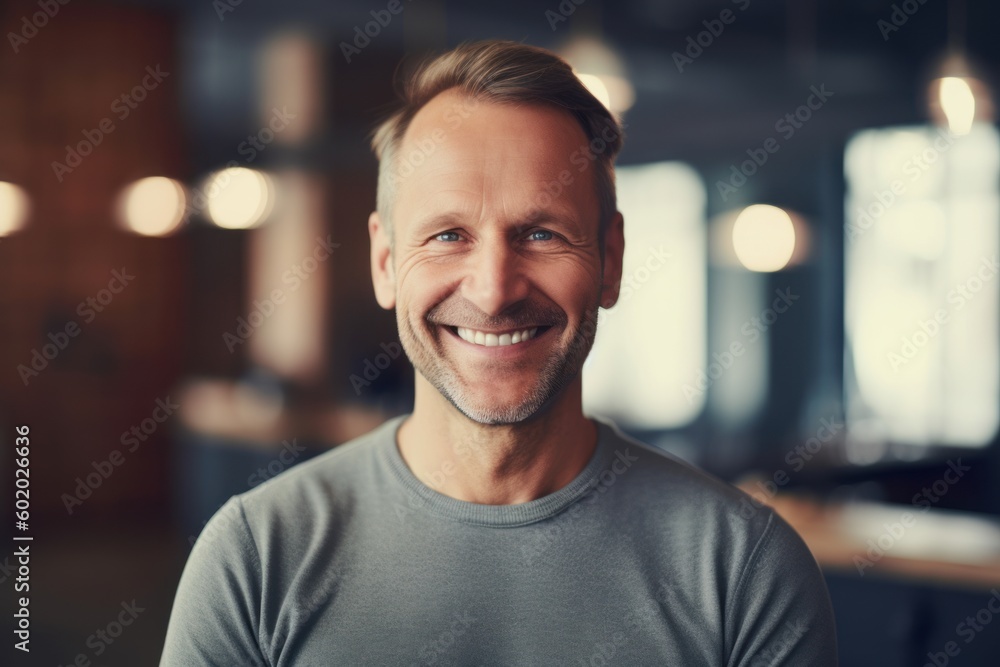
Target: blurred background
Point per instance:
(810, 301)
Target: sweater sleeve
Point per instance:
(781, 612)
(215, 620)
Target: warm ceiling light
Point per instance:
(957, 95)
(614, 92)
(152, 206)
(14, 206)
(596, 86)
(620, 92)
(239, 198)
(601, 70)
(763, 238)
(958, 103)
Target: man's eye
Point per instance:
(546, 235)
(453, 235)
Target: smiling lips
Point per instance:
(495, 340)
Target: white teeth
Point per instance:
(494, 340)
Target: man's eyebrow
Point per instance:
(433, 221)
(567, 221)
(534, 217)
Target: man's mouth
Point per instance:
(497, 339)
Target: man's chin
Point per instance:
(485, 409)
(495, 415)
(482, 405)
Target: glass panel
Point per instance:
(652, 342)
(921, 292)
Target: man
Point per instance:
(496, 524)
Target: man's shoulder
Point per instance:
(679, 508)
(668, 473)
(663, 485)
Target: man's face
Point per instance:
(490, 241)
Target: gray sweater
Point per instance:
(349, 559)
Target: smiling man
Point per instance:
(497, 524)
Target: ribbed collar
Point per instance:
(500, 516)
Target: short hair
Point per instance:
(503, 72)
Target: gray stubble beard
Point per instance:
(557, 373)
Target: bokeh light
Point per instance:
(14, 206)
(958, 104)
(153, 206)
(763, 238)
(239, 198)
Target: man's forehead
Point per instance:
(466, 127)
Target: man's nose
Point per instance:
(495, 277)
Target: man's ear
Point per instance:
(614, 251)
(383, 272)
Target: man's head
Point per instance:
(496, 213)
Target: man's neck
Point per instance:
(496, 465)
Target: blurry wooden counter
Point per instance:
(235, 412)
(930, 545)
